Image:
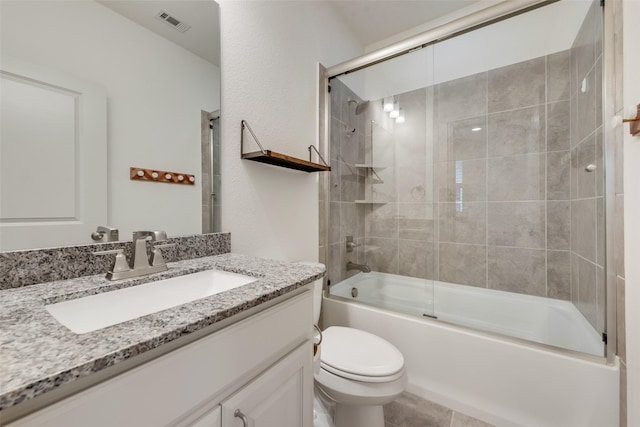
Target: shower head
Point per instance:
(360, 106)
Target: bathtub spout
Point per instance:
(362, 267)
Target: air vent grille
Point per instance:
(172, 21)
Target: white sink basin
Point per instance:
(99, 311)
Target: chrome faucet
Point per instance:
(362, 267)
(139, 257)
(141, 264)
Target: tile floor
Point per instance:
(412, 411)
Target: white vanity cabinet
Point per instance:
(210, 419)
(276, 398)
(261, 365)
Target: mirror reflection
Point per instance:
(93, 89)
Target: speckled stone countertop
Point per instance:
(38, 354)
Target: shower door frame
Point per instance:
(453, 28)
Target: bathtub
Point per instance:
(543, 320)
(501, 380)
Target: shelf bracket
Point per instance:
(318, 153)
(245, 125)
(277, 159)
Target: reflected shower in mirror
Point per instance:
(211, 172)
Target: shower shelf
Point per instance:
(366, 166)
(370, 202)
(371, 170)
(278, 159)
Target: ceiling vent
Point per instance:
(172, 21)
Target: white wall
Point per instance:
(270, 55)
(631, 96)
(155, 92)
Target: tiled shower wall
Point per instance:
(587, 188)
(210, 167)
(487, 204)
(503, 178)
(486, 182)
(346, 185)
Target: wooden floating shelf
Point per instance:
(142, 174)
(272, 158)
(277, 159)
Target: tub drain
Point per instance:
(354, 292)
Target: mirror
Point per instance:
(157, 64)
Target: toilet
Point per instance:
(355, 372)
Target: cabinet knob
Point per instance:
(238, 414)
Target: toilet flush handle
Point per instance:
(316, 345)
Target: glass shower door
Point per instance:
(384, 183)
(474, 170)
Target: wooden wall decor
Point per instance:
(161, 176)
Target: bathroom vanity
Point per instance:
(236, 358)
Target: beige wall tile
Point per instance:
(516, 86)
(517, 270)
(463, 264)
(520, 224)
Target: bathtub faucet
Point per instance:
(361, 267)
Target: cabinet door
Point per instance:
(282, 396)
(53, 169)
(210, 419)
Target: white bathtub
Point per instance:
(543, 320)
(503, 381)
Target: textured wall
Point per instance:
(629, 203)
(270, 55)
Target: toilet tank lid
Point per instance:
(358, 352)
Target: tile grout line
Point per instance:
(486, 185)
(546, 176)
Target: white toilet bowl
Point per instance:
(321, 415)
(359, 372)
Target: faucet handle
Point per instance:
(111, 232)
(350, 244)
(158, 259)
(120, 264)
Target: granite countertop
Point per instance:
(38, 354)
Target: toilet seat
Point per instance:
(350, 392)
(358, 355)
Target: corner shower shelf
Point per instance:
(370, 171)
(370, 202)
(367, 166)
(278, 159)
